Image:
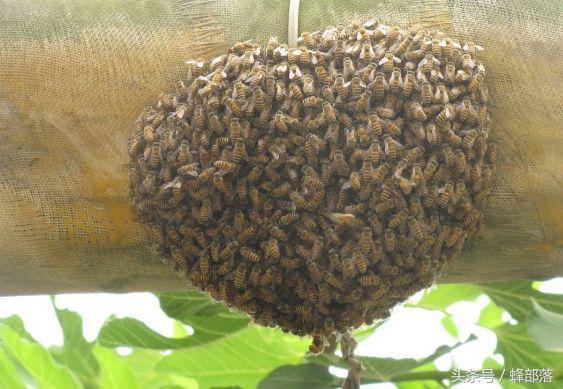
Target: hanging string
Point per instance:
(292, 25)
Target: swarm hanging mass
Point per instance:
(316, 187)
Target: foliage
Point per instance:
(226, 350)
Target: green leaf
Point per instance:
(16, 324)
(134, 333)
(520, 351)
(546, 327)
(211, 321)
(306, 376)
(9, 377)
(418, 384)
(449, 325)
(142, 363)
(516, 297)
(385, 369)
(242, 359)
(491, 316)
(115, 373)
(76, 351)
(38, 361)
(445, 295)
(378, 369)
(179, 331)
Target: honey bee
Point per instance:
(428, 63)
(390, 147)
(455, 235)
(389, 241)
(388, 62)
(425, 93)
(415, 229)
(317, 346)
(445, 195)
(409, 84)
(441, 95)
(322, 74)
(339, 164)
(367, 53)
(379, 85)
(395, 81)
(403, 46)
(475, 83)
(239, 276)
(308, 40)
(375, 125)
(363, 103)
(398, 219)
(449, 73)
(445, 115)
(273, 249)
(417, 112)
(491, 153)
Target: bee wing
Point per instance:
(383, 28)
(257, 51)
(297, 52)
(314, 59)
(465, 47)
(386, 85)
(251, 58)
(479, 48)
(456, 45)
(436, 61)
(396, 60)
(180, 113)
(371, 23)
(358, 36)
(383, 60)
(442, 43)
(200, 64)
(423, 62)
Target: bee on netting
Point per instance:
(475, 83)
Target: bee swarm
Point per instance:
(316, 187)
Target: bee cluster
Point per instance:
(316, 187)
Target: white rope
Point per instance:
(292, 25)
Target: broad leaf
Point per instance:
(76, 351)
(210, 320)
(449, 325)
(546, 328)
(242, 359)
(385, 369)
(444, 295)
(134, 333)
(491, 316)
(419, 384)
(306, 376)
(520, 351)
(9, 377)
(516, 297)
(142, 363)
(378, 369)
(16, 324)
(114, 371)
(38, 362)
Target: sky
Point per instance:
(408, 333)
